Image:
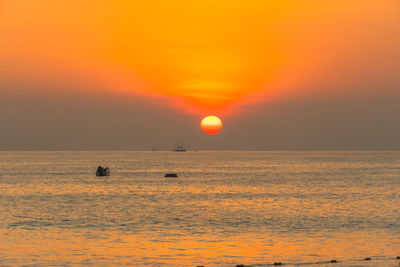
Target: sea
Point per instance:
(225, 208)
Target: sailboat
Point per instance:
(179, 148)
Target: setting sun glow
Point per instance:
(211, 125)
(199, 56)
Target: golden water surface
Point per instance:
(225, 208)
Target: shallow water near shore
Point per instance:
(225, 208)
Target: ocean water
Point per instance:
(225, 208)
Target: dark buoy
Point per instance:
(333, 261)
(240, 265)
(277, 263)
(367, 259)
(171, 175)
(103, 171)
(398, 257)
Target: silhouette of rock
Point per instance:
(102, 171)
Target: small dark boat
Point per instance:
(103, 171)
(171, 175)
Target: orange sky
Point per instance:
(207, 56)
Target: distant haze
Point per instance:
(118, 75)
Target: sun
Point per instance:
(211, 125)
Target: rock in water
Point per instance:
(103, 171)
